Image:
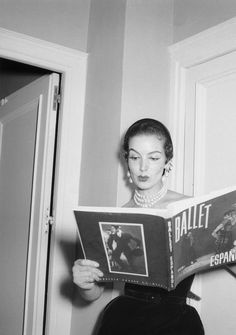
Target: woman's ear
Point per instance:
(169, 166)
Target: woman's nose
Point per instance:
(143, 165)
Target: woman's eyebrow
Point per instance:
(131, 149)
(155, 152)
(149, 153)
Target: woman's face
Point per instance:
(146, 161)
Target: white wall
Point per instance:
(63, 22)
(103, 103)
(145, 86)
(99, 169)
(193, 16)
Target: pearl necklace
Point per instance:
(146, 201)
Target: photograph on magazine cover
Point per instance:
(209, 241)
(145, 259)
(124, 246)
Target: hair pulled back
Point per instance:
(149, 127)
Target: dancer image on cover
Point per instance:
(124, 249)
(223, 233)
(188, 253)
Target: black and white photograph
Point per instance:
(125, 104)
(125, 248)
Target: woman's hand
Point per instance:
(86, 275)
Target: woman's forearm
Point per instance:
(93, 293)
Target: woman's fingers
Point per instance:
(86, 273)
(86, 262)
(87, 276)
(84, 281)
(85, 265)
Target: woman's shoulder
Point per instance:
(130, 204)
(175, 196)
(171, 197)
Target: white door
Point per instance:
(27, 136)
(210, 164)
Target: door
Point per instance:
(210, 164)
(27, 139)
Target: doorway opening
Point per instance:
(29, 114)
(14, 75)
(72, 65)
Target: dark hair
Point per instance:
(115, 226)
(149, 127)
(230, 212)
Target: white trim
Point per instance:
(72, 65)
(199, 152)
(177, 124)
(1, 130)
(183, 56)
(207, 45)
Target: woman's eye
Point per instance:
(134, 158)
(154, 158)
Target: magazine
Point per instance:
(160, 247)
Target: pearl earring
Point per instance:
(167, 170)
(129, 177)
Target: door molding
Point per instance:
(207, 45)
(184, 55)
(72, 65)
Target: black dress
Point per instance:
(151, 311)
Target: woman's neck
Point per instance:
(151, 191)
(149, 198)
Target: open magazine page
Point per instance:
(129, 246)
(204, 234)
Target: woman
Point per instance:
(148, 151)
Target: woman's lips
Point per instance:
(143, 178)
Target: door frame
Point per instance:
(184, 55)
(72, 65)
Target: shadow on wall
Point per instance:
(121, 158)
(71, 251)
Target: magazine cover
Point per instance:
(204, 236)
(160, 247)
(129, 246)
